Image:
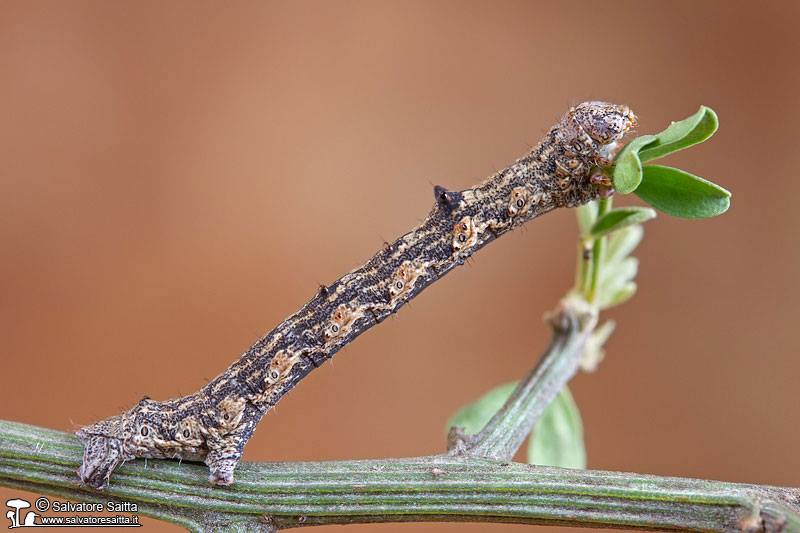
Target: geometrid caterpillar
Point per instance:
(214, 423)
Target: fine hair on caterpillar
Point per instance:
(214, 424)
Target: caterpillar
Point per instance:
(214, 424)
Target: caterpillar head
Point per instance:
(111, 442)
(104, 449)
(603, 122)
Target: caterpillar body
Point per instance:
(214, 424)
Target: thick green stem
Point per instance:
(437, 488)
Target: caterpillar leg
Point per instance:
(222, 458)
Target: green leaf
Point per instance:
(472, 417)
(623, 242)
(625, 270)
(627, 173)
(619, 296)
(593, 351)
(680, 194)
(619, 218)
(615, 275)
(682, 134)
(601, 334)
(557, 439)
(587, 214)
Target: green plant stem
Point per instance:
(584, 268)
(438, 488)
(509, 427)
(598, 249)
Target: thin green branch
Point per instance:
(584, 269)
(437, 488)
(509, 427)
(598, 249)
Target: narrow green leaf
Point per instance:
(619, 218)
(618, 296)
(587, 214)
(614, 276)
(680, 194)
(472, 417)
(682, 134)
(557, 439)
(593, 351)
(602, 333)
(625, 270)
(623, 242)
(627, 173)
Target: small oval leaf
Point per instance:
(594, 351)
(619, 296)
(627, 173)
(622, 243)
(619, 218)
(472, 417)
(557, 439)
(615, 275)
(682, 134)
(680, 194)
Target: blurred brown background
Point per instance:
(178, 177)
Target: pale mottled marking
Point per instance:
(518, 202)
(229, 413)
(342, 321)
(403, 280)
(465, 234)
(280, 367)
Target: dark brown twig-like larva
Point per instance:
(214, 423)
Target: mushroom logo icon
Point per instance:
(17, 505)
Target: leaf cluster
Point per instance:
(668, 189)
